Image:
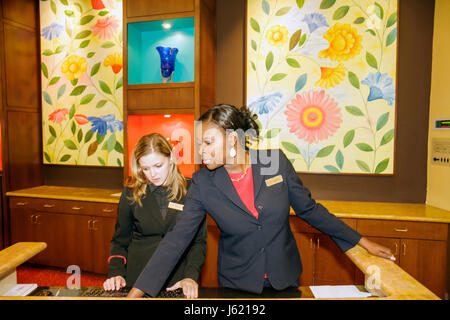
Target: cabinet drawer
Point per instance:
(64, 206)
(301, 226)
(402, 229)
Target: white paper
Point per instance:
(338, 292)
(20, 290)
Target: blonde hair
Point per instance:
(150, 143)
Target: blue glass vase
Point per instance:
(167, 56)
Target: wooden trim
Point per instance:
(165, 16)
(161, 85)
(19, 25)
(125, 87)
(161, 111)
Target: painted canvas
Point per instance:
(81, 73)
(321, 76)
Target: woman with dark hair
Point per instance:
(248, 193)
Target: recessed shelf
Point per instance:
(143, 58)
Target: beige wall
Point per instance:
(438, 178)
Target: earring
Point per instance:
(232, 152)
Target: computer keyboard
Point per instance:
(178, 293)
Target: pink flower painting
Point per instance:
(105, 28)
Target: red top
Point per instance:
(244, 188)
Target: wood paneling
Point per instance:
(21, 64)
(23, 11)
(160, 98)
(24, 150)
(139, 8)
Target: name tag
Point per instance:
(176, 206)
(274, 180)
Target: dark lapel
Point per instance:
(257, 177)
(223, 182)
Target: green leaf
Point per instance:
(104, 87)
(87, 98)
(73, 127)
(95, 68)
(69, 13)
(108, 44)
(391, 37)
(340, 159)
(44, 70)
(85, 43)
(92, 148)
(325, 151)
(278, 76)
(88, 136)
(363, 166)
(119, 162)
(353, 110)
(295, 39)
(290, 147)
(388, 136)
(331, 168)
(254, 24)
(253, 65)
(47, 157)
(354, 80)
(102, 162)
(64, 2)
(47, 52)
(359, 20)
(61, 90)
(118, 147)
(302, 40)
(391, 20)
(382, 120)
(72, 111)
(371, 32)
(100, 138)
(64, 158)
(301, 82)
(382, 166)
(293, 63)
(70, 144)
(74, 82)
(90, 54)
(119, 83)
(269, 60)
(103, 13)
(379, 10)
(340, 12)
(59, 49)
(110, 143)
(47, 98)
(78, 7)
(86, 19)
(325, 4)
(371, 60)
(80, 135)
(364, 147)
(272, 133)
(50, 140)
(348, 138)
(254, 45)
(54, 80)
(266, 7)
(283, 11)
(53, 6)
(78, 90)
(52, 131)
(300, 3)
(83, 34)
(101, 103)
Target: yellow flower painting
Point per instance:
(321, 78)
(82, 82)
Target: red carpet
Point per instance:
(45, 276)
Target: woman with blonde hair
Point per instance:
(148, 208)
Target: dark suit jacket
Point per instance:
(248, 247)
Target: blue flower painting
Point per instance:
(381, 87)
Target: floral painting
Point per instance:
(81, 76)
(321, 76)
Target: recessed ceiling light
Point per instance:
(166, 25)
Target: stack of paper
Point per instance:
(338, 292)
(20, 290)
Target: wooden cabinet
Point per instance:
(76, 232)
(420, 248)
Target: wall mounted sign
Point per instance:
(321, 75)
(81, 76)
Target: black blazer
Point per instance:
(139, 231)
(248, 247)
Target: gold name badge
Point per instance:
(176, 206)
(274, 180)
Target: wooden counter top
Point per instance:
(342, 209)
(15, 255)
(70, 193)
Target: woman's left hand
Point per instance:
(190, 288)
(376, 249)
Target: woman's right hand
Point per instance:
(114, 283)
